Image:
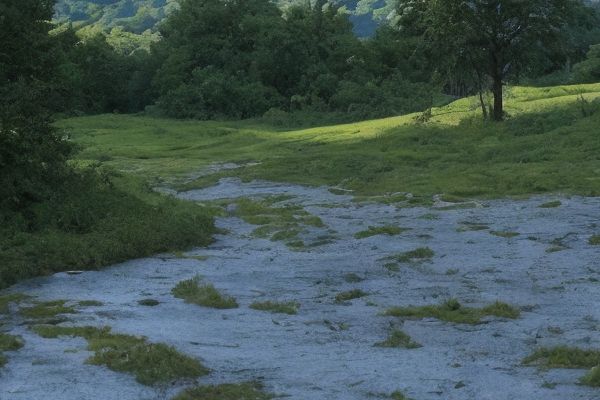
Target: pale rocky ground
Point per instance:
(326, 351)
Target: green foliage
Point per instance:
(564, 357)
(453, 311)
(228, 391)
(289, 307)
(592, 378)
(7, 299)
(150, 363)
(588, 71)
(8, 343)
(94, 220)
(398, 338)
(193, 291)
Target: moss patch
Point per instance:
(388, 230)
(8, 343)
(398, 338)
(230, 391)
(150, 363)
(453, 311)
(203, 294)
(569, 357)
(289, 307)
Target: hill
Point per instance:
(140, 15)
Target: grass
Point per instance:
(277, 222)
(389, 230)
(203, 294)
(398, 395)
(569, 357)
(47, 309)
(350, 295)
(7, 299)
(398, 338)
(546, 145)
(8, 343)
(353, 278)
(419, 254)
(150, 363)
(505, 234)
(289, 307)
(453, 311)
(229, 391)
(98, 220)
(594, 240)
(90, 303)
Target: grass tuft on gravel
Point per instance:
(229, 391)
(289, 307)
(569, 357)
(397, 338)
(150, 363)
(8, 343)
(47, 309)
(389, 230)
(594, 240)
(350, 295)
(419, 254)
(7, 299)
(453, 311)
(203, 294)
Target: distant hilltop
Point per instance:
(138, 16)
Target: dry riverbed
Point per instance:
(333, 267)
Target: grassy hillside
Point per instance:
(139, 15)
(550, 143)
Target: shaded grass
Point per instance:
(47, 309)
(453, 311)
(229, 391)
(7, 299)
(594, 240)
(551, 204)
(203, 294)
(8, 343)
(148, 302)
(350, 295)
(419, 254)
(389, 230)
(150, 363)
(397, 338)
(90, 303)
(96, 220)
(289, 307)
(569, 357)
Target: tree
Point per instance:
(497, 39)
(32, 154)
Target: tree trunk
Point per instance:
(497, 89)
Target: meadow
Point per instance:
(549, 143)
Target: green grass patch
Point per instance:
(551, 204)
(95, 220)
(150, 363)
(594, 240)
(389, 230)
(398, 395)
(47, 309)
(564, 357)
(419, 254)
(592, 378)
(453, 311)
(228, 391)
(8, 343)
(350, 295)
(288, 307)
(203, 294)
(398, 338)
(7, 299)
(505, 234)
